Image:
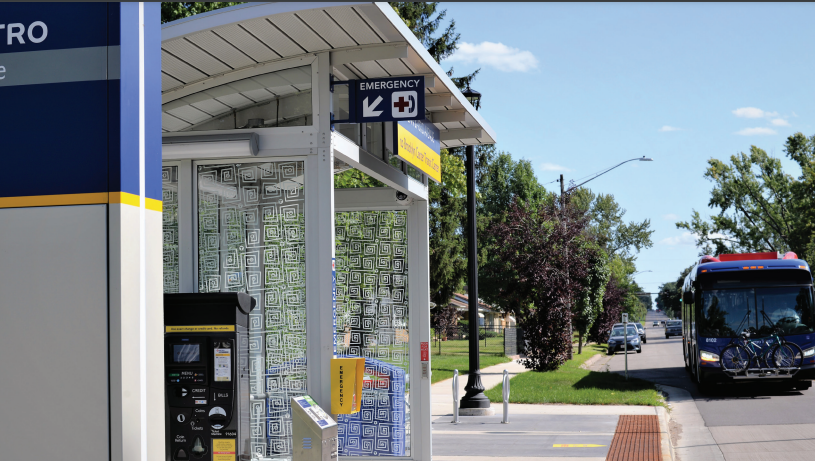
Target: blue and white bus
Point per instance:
(753, 299)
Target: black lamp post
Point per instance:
(474, 397)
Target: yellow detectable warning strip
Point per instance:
(576, 445)
(95, 198)
(198, 328)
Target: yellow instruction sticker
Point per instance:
(223, 449)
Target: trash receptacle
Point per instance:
(379, 427)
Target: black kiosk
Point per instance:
(206, 347)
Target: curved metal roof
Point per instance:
(366, 40)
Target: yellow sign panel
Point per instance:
(412, 139)
(199, 328)
(346, 385)
(576, 445)
(223, 450)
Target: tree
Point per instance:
(448, 264)
(424, 19)
(670, 294)
(608, 227)
(589, 303)
(613, 306)
(756, 205)
(171, 11)
(530, 273)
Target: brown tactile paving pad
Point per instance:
(636, 439)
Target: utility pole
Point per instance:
(568, 304)
(474, 402)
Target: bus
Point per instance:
(748, 297)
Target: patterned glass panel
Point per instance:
(372, 322)
(169, 216)
(251, 238)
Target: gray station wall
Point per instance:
(54, 333)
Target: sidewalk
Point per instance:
(534, 432)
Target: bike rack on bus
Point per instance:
(784, 372)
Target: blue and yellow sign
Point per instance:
(417, 142)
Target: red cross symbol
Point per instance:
(402, 104)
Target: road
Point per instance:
(756, 422)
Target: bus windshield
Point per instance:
(726, 313)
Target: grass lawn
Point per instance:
(572, 384)
(455, 356)
(443, 365)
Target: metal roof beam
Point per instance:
(369, 53)
(448, 116)
(438, 100)
(464, 133)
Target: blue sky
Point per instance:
(576, 88)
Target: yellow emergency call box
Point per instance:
(346, 384)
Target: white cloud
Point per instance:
(670, 217)
(749, 112)
(670, 128)
(755, 131)
(497, 55)
(779, 122)
(753, 112)
(552, 167)
(685, 239)
(794, 114)
(689, 239)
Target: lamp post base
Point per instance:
(474, 402)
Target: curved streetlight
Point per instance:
(640, 272)
(640, 159)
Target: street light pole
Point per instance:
(474, 401)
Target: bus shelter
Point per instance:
(249, 157)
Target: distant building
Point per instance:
(488, 316)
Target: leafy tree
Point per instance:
(608, 227)
(171, 11)
(448, 264)
(589, 303)
(424, 19)
(529, 272)
(670, 295)
(613, 305)
(760, 208)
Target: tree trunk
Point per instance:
(579, 342)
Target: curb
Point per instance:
(665, 434)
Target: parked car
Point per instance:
(673, 328)
(641, 330)
(619, 337)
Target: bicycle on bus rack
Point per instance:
(747, 358)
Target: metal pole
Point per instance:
(625, 335)
(569, 316)
(474, 398)
(455, 397)
(506, 397)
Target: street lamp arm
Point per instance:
(606, 171)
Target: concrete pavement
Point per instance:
(534, 431)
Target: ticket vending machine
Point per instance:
(206, 366)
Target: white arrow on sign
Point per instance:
(368, 111)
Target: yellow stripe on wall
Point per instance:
(54, 200)
(79, 199)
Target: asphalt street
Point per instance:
(748, 422)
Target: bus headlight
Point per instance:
(709, 356)
(809, 352)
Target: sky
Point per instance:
(576, 88)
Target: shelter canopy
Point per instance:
(365, 40)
